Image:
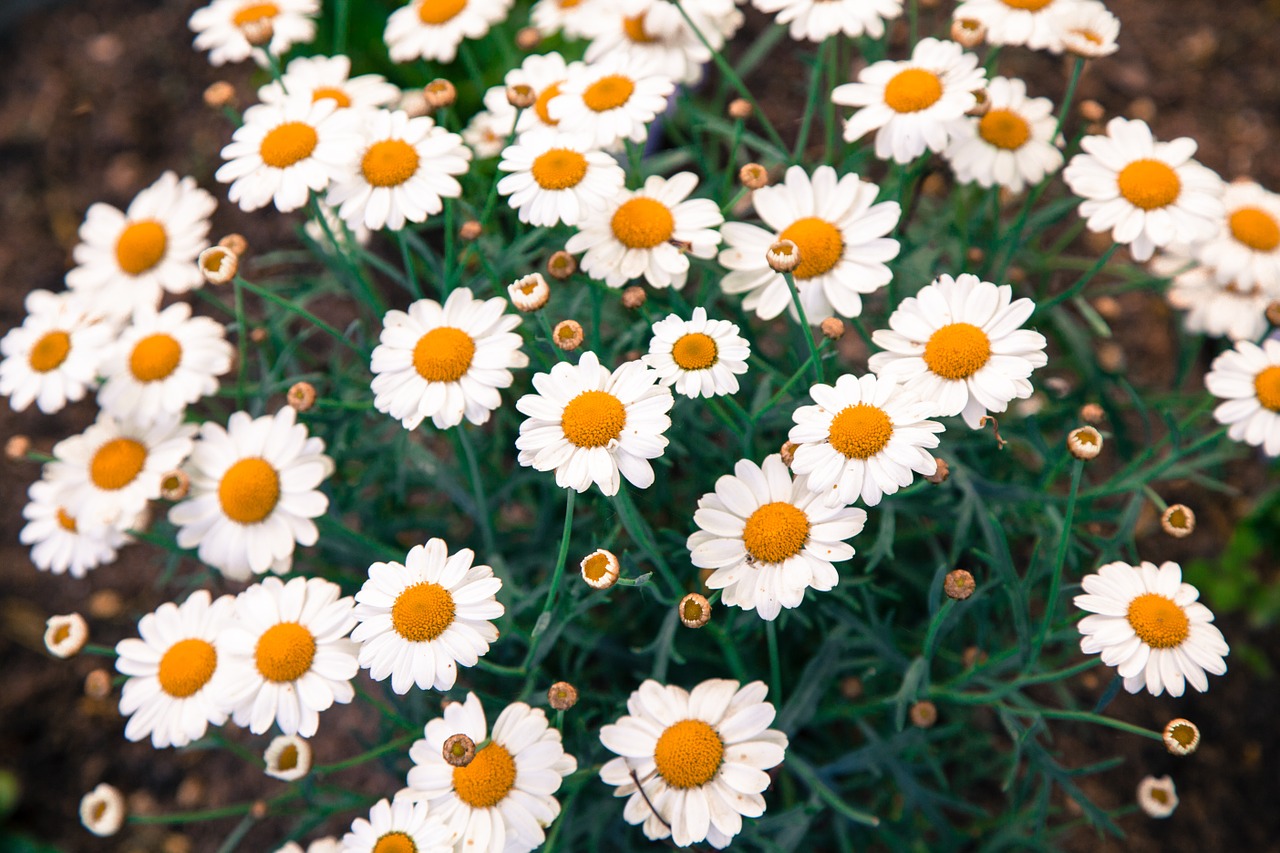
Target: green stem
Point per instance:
(815, 80)
(1059, 560)
(1076, 288)
(805, 329)
(342, 9)
(557, 574)
(1066, 98)
(411, 275)
(640, 531)
(210, 814)
(94, 649)
(483, 519)
(450, 235)
(775, 664)
(1084, 717)
(242, 342)
(935, 625)
(390, 746)
(294, 308)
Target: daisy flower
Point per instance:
(419, 620)
(768, 538)
(319, 77)
(839, 231)
(1018, 22)
(958, 343)
(103, 810)
(1157, 797)
(700, 357)
(287, 655)
(320, 845)
(433, 29)
(1149, 193)
(404, 169)
(504, 798)
(288, 758)
(589, 424)
(558, 177)
(1213, 308)
(544, 74)
(254, 491)
(612, 100)
(126, 259)
(644, 31)
(223, 27)
(576, 19)
(58, 543)
(487, 133)
(53, 357)
(1085, 28)
(402, 826)
(700, 757)
(817, 20)
(1247, 378)
(1247, 248)
(913, 105)
(1011, 145)
(172, 692)
(1147, 624)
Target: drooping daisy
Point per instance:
(913, 105)
(405, 168)
(504, 798)
(645, 31)
(958, 343)
(329, 77)
(770, 538)
(1147, 624)
(1017, 22)
(576, 19)
(558, 177)
(1213, 308)
(419, 620)
(53, 357)
(126, 259)
(700, 757)
(65, 635)
(399, 827)
(650, 233)
(817, 20)
(224, 26)
(287, 654)
(612, 100)
(589, 424)
(1085, 28)
(1247, 249)
(1148, 193)
(1010, 145)
(1248, 380)
(841, 236)
(700, 357)
(172, 692)
(433, 29)
(59, 545)
(254, 491)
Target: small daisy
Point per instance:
(103, 810)
(1213, 308)
(399, 827)
(487, 133)
(612, 100)
(863, 439)
(1148, 193)
(589, 424)
(1018, 22)
(419, 620)
(1247, 249)
(700, 757)
(558, 177)
(1157, 797)
(1248, 380)
(53, 357)
(700, 357)
(1011, 145)
(172, 692)
(576, 19)
(1086, 29)
(841, 236)
(768, 538)
(223, 27)
(433, 29)
(958, 343)
(404, 169)
(65, 635)
(914, 105)
(818, 20)
(650, 233)
(254, 491)
(644, 31)
(288, 758)
(1147, 624)
(320, 77)
(504, 798)
(287, 655)
(58, 543)
(126, 259)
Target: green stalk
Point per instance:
(1084, 717)
(1076, 288)
(775, 665)
(805, 329)
(242, 342)
(411, 275)
(1059, 560)
(477, 486)
(557, 575)
(301, 312)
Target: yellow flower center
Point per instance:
(634, 30)
(284, 652)
(1256, 228)
(593, 419)
(691, 610)
(117, 463)
(957, 350)
(1160, 795)
(186, 667)
(436, 12)
(50, 351)
(251, 13)
(689, 754)
(288, 143)
(1183, 734)
(155, 357)
(395, 842)
(608, 93)
(333, 93)
(1004, 129)
(422, 612)
(1030, 5)
(443, 354)
(488, 779)
(913, 90)
(861, 431)
(389, 163)
(820, 243)
(569, 4)
(540, 106)
(288, 758)
(559, 169)
(65, 521)
(1149, 184)
(1157, 621)
(596, 566)
(1178, 519)
(642, 223)
(695, 351)
(775, 532)
(141, 246)
(249, 491)
(1267, 386)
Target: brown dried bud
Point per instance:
(924, 714)
(470, 230)
(528, 38)
(600, 569)
(567, 335)
(258, 809)
(1109, 307)
(695, 610)
(783, 256)
(1178, 521)
(562, 696)
(753, 176)
(788, 452)
(851, 687)
(174, 485)
(1092, 413)
(981, 103)
(941, 473)
(259, 33)
(1084, 442)
(97, 684)
(1181, 737)
(439, 93)
(975, 255)
(105, 604)
(634, 297)
(458, 750)
(934, 185)
(218, 264)
(972, 657)
(833, 328)
(1273, 314)
(236, 243)
(561, 265)
(1017, 275)
(959, 585)
(301, 396)
(740, 108)
(1092, 111)
(219, 94)
(258, 335)
(17, 447)
(521, 96)
(968, 32)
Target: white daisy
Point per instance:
(649, 232)
(405, 168)
(487, 133)
(65, 635)
(419, 620)
(1213, 308)
(399, 827)
(172, 692)
(588, 424)
(576, 19)
(1085, 28)
(700, 357)
(320, 77)
(1017, 22)
(700, 757)
(644, 31)
(612, 100)
(1147, 624)
(288, 758)
(504, 798)
(839, 231)
(1157, 797)
(817, 20)
(558, 177)
(1247, 249)
(1011, 145)
(544, 74)
(320, 845)
(913, 105)
(103, 810)
(433, 29)
(769, 538)
(126, 259)
(1148, 193)
(254, 491)
(958, 343)
(53, 357)
(58, 543)
(287, 655)
(1248, 380)
(223, 27)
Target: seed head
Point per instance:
(470, 230)
(529, 293)
(17, 447)
(783, 256)
(174, 485)
(833, 328)
(1178, 521)
(740, 108)
(633, 297)
(695, 610)
(959, 585)
(1084, 442)
(528, 39)
(561, 265)
(218, 264)
(941, 473)
(968, 32)
(1181, 737)
(924, 714)
(567, 335)
(600, 569)
(753, 176)
(521, 96)
(562, 696)
(302, 396)
(439, 93)
(236, 243)
(219, 94)
(458, 750)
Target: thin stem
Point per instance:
(477, 487)
(411, 275)
(300, 311)
(1154, 497)
(1055, 580)
(557, 575)
(815, 80)
(1083, 717)
(390, 746)
(775, 665)
(805, 329)
(1066, 98)
(1076, 288)
(341, 9)
(242, 342)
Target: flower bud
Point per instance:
(301, 396)
(65, 636)
(218, 264)
(175, 485)
(941, 473)
(1178, 521)
(783, 256)
(567, 335)
(740, 108)
(102, 810)
(753, 176)
(1084, 442)
(633, 297)
(562, 696)
(1092, 413)
(529, 293)
(923, 714)
(219, 94)
(695, 610)
(833, 328)
(600, 569)
(521, 96)
(470, 230)
(458, 750)
(788, 452)
(288, 757)
(1181, 737)
(236, 243)
(439, 93)
(968, 32)
(17, 447)
(561, 265)
(959, 585)
(528, 39)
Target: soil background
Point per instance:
(98, 98)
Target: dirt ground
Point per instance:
(99, 98)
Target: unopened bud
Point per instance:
(981, 103)
(439, 93)
(219, 94)
(301, 396)
(259, 33)
(528, 39)
(1084, 442)
(740, 108)
(851, 688)
(695, 610)
(753, 176)
(1181, 737)
(975, 255)
(1178, 521)
(97, 684)
(783, 256)
(600, 569)
(175, 485)
(259, 809)
(1092, 413)
(924, 714)
(788, 452)
(529, 293)
(65, 636)
(470, 230)
(1273, 314)
(833, 328)
(236, 243)
(562, 696)
(17, 447)
(258, 334)
(1092, 111)
(959, 585)
(218, 264)
(968, 32)
(561, 265)
(633, 297)
(567, 335)
(973, 656)
(458, 750)
(521, 96)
